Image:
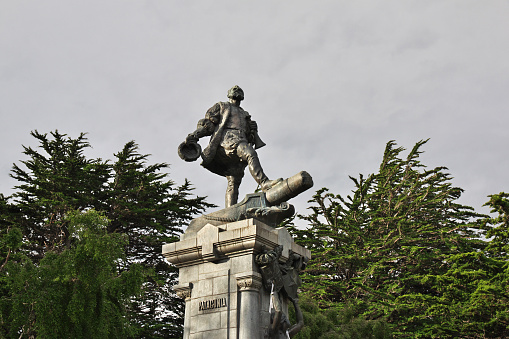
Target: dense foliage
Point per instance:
(78, 293)
(337, 323)
(50, 279)
(401, 249)
(80, 244)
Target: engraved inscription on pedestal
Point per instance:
(212, 304)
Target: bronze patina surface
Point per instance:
(231, 148)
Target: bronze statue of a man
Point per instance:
(233, 140)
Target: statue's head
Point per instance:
(236, 93)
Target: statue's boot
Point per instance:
(268, 184)
(248, 154)
(257, 172)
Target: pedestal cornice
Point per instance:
(213, 243)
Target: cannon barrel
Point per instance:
(289, 188)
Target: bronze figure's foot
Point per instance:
(268, 184)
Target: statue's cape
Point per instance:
(209, 153)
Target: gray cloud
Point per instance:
(329, 82)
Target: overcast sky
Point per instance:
(329, 83)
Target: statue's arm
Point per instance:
(207, 125)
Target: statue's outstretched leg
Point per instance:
(300, 319)
(247, 153)
(232, 190)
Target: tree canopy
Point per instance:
(402, 249)
(79, 292)
(139, 209)
(80, 243)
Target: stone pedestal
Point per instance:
(221, 282)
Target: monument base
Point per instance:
(221, 282)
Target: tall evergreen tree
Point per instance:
(137, 198)
(498, 227)
(10, 242)
(399, 248)
(58, 180)
(337, 323)
(78, 292)
(151, 212)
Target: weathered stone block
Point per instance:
(221, 282)
(220, 285)
(207, 322)
(219, 334)
(188, 274)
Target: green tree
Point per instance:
(78, 292)
(498, 226)
(142, 205)
(401, 248)
(493, 294)
(10, 242)
(58, 180)
(337, 323)
(137, 198)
